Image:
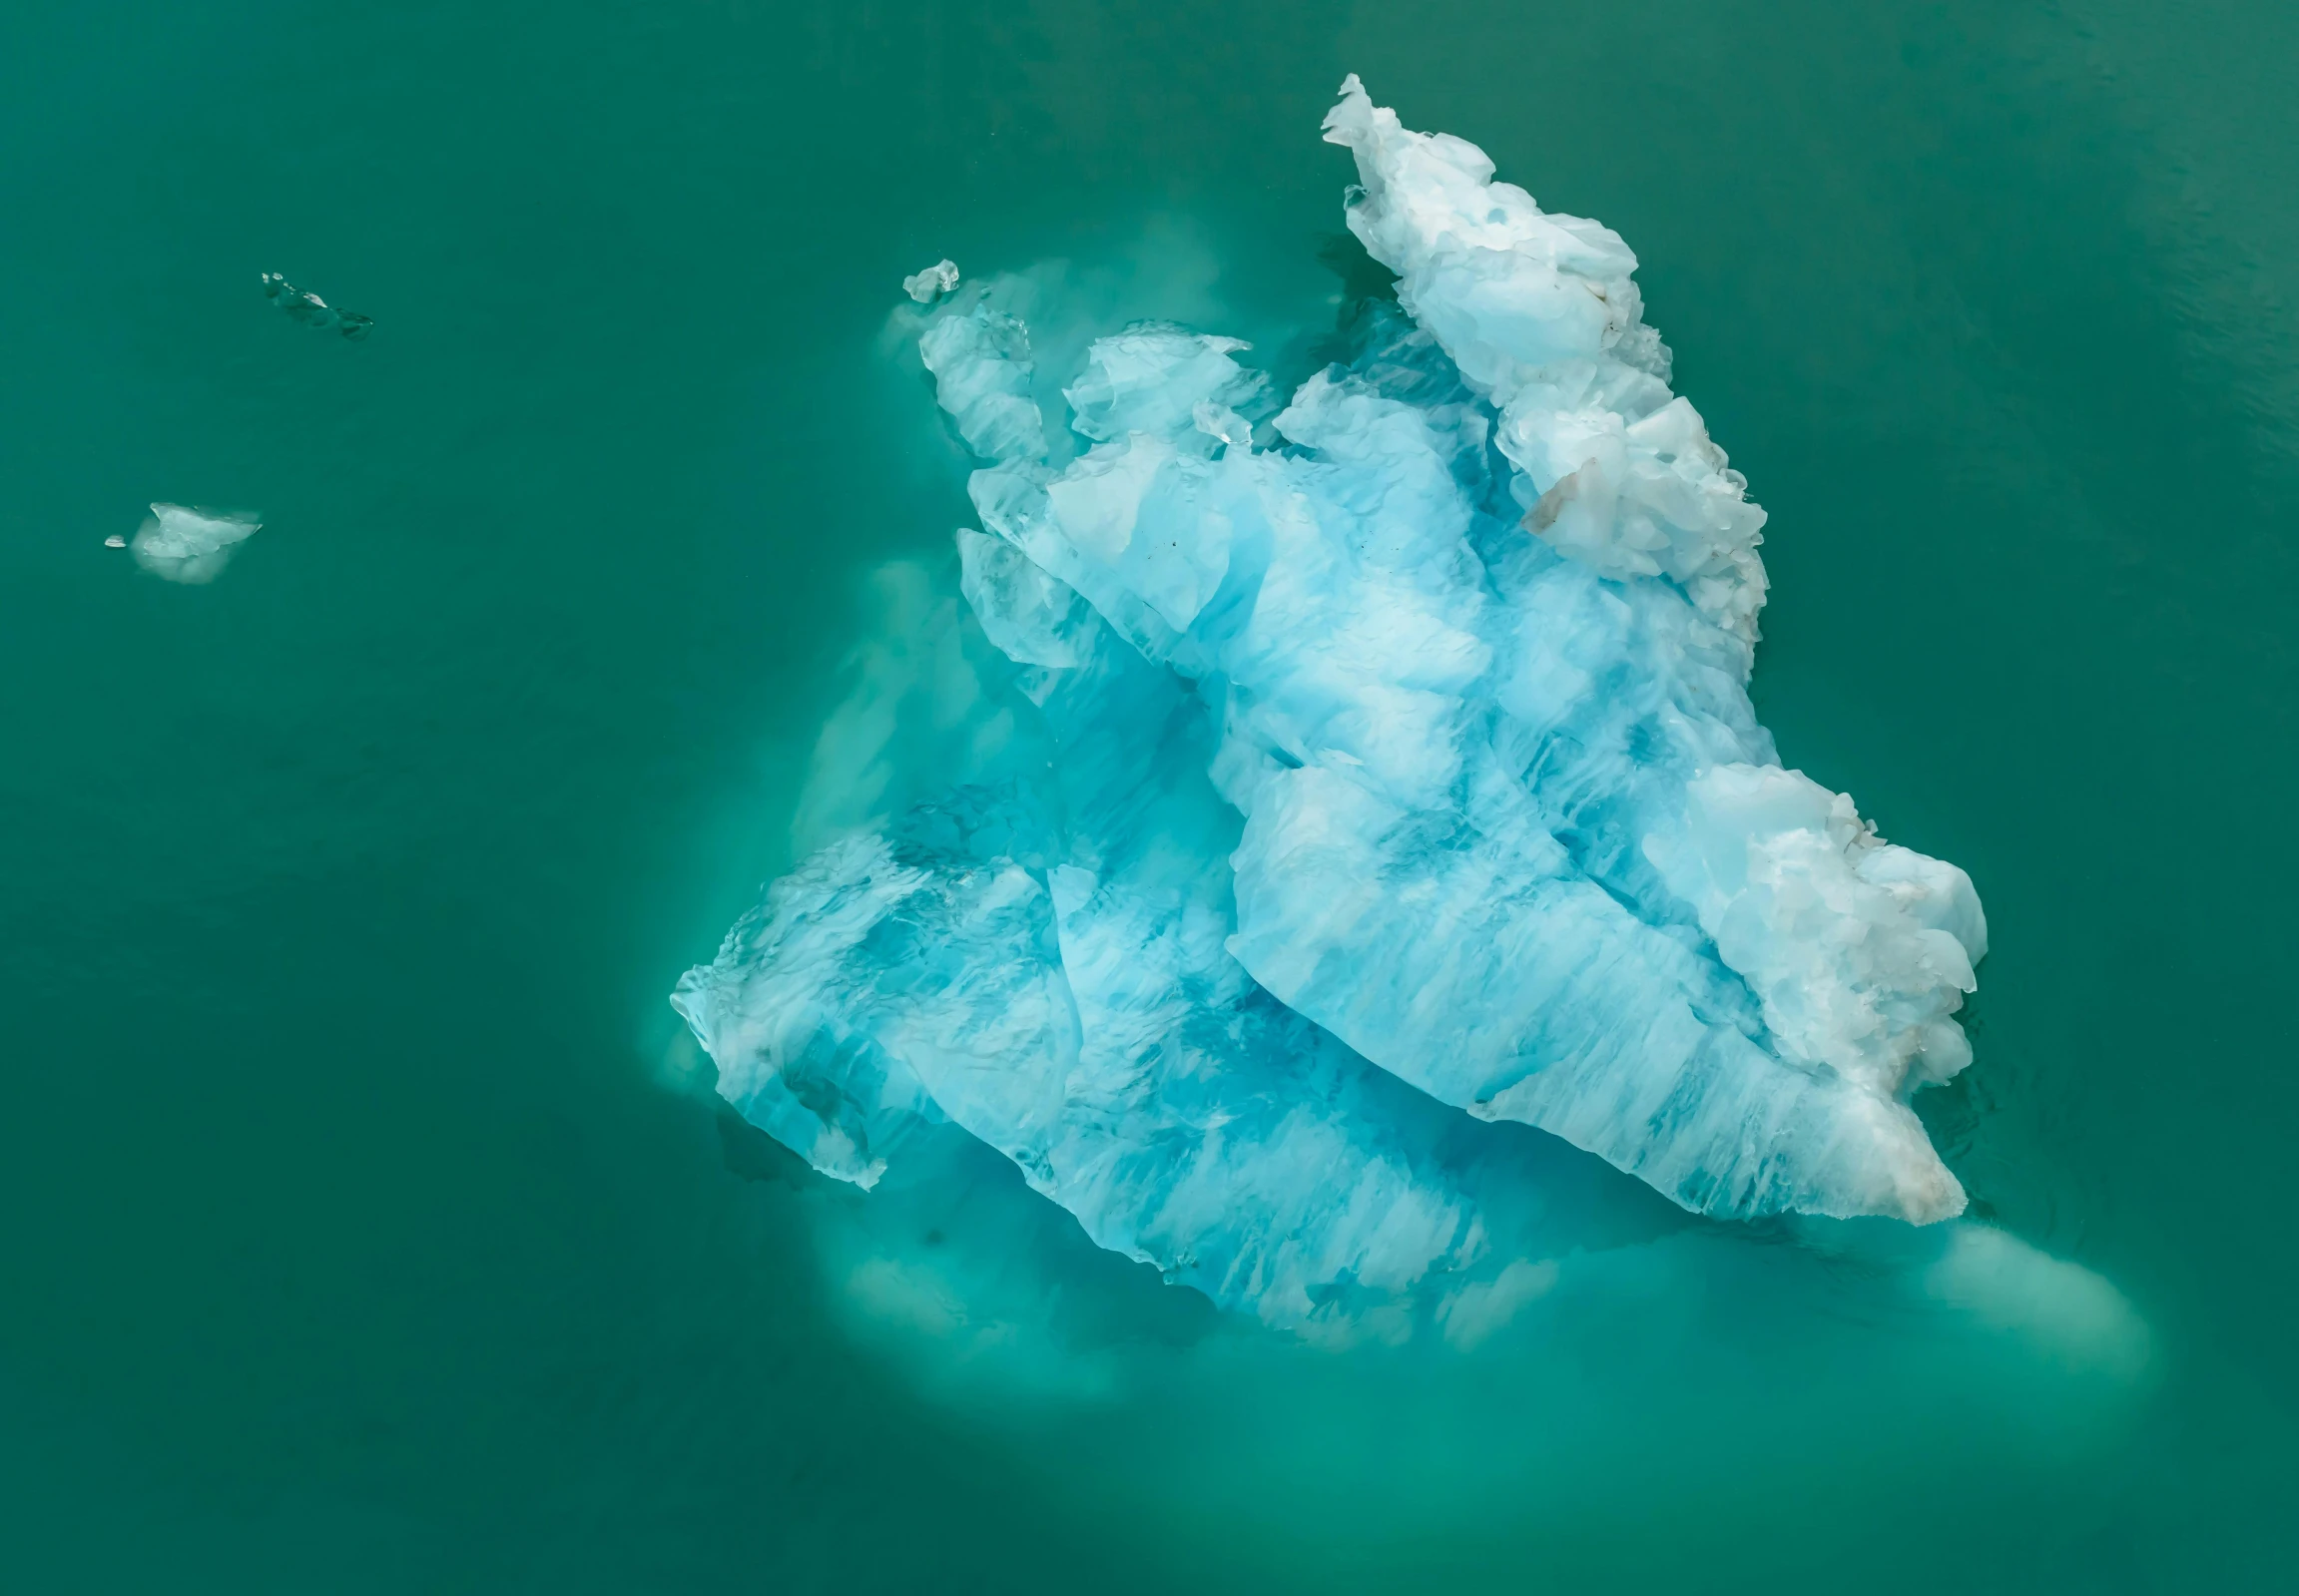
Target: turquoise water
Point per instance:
(367, 1228)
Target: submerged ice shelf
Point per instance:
(1398, 768)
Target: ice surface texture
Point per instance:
(1397, 732)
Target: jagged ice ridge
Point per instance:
(1402, 771)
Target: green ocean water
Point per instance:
(365, 1228)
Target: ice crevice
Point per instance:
(1398, 773)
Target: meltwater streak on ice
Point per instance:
(1511, 831)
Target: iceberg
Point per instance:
(178, 543)
(1395, 771)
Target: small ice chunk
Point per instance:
(115, 541)
(938, 278)
(312, 310)
(186, 545)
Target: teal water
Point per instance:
(366, 1231)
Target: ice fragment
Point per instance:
(938, 278)
(312, 310)
(186, 545)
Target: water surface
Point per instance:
(362, 1234)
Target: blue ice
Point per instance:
(1400, 772)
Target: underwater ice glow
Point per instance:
(1402, 770)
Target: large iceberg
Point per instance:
(1398, 771)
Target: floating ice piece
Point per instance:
(312, 310)
(1361, 803)
(115, 541)
(186, 545)
(938, 278)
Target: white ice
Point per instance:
(183, 545)
(935, 280)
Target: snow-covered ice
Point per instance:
(1398, 768)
